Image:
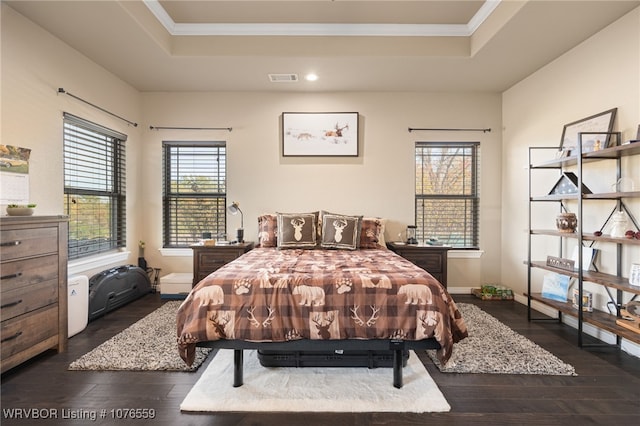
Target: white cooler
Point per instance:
(176, 285)
(78, 303)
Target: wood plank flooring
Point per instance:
(605, 392)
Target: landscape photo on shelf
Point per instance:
(555, 286)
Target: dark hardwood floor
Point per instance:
(605, 392)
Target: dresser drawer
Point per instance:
(427, 261)
(26, 299)
(207, 259)
(17, 243)
(21, 273)
(212, 260)
(23, 332)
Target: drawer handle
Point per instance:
(15, 336)
(11, 243)
(6, 277)
(8, 305)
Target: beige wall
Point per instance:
(601, 73)
(378, 182)
(34, 66)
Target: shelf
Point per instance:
(612, 195)
(604, 154)
(587, 237)
(599, 319)
(610, 239)
(555, 197)
(599, 196)
(607, 280)
(620, 284)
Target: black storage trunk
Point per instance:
(371, 359)
(113, 288)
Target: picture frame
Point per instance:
(320, 134)
(601, 122)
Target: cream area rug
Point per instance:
(311, 389)
(494, 348)
(148, 345)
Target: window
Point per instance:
(194, 191)
(447, 199)
(94, 187)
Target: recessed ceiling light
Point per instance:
(311, 77)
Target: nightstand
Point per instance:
(207, 259)
(432, 259)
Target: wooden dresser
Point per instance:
(432, 259)
(207, 259)
(33, 283)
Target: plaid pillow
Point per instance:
(268, 230)
(372, 233)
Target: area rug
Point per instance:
(494, 348)
(311, 389)
(149, 344)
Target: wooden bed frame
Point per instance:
(397, 346)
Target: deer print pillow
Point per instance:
(297, 230)
(340, 231)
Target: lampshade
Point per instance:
(234, 208)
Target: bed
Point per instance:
(319, 294)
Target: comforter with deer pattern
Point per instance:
(272, 295)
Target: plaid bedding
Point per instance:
(272, 295)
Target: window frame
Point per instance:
(172, 238)
(83, 162)
(471, 233)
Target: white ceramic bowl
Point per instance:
(19, 211)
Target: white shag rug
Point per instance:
(311, 389)
(149, 344)
(494, 348)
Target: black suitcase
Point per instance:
(115, 287)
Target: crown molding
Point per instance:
(322, 29)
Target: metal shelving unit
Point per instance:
(615, 284)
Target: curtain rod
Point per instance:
(61, 90)
(412, 129)
(190, 128)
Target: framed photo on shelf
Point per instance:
(555, 286)
(320, 134)
(602, 122)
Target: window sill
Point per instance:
(79, 266)
(465, 254)
(176, 252)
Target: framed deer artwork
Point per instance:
(320, 134)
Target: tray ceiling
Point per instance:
(352, 45)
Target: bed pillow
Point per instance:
(297, 230)
(340, 231)
(268, 230)
(372, 233)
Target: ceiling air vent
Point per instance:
(283, 78)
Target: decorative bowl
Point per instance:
(566, 222)
(20, 211)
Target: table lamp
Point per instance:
(234, 209)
